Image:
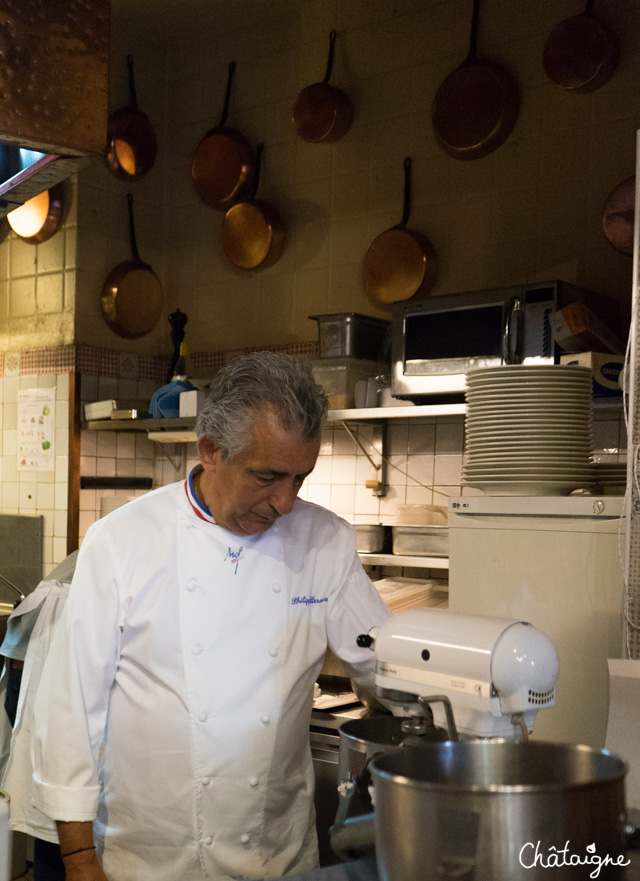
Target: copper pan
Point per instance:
(476, 107)
(400, 262)
(581, 53)
(223, 163)
(252, 232)
(131, 139)
(322, 113)
(132, 294)
(52, 201)
(618, 216)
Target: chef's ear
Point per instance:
(206, 450)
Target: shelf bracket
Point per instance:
(379, 485)
(178, 464)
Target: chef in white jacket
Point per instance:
(171, 723)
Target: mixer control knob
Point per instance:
(364, 641)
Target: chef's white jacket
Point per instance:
(185, 658)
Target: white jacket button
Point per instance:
(206, 781)
(276, 588)
(196, 649)
(191, 585)
(244, 838)
(202, 717)
(264, 719)
(208, 841)
(253, 781)
(273, 652)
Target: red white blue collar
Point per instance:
(200, 510)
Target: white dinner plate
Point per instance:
(526, 487)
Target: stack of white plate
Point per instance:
(611, 476)
(529, 430)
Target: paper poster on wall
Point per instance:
(36, 428)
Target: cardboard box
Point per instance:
(576, 329)
(606, 371)
(191, 402)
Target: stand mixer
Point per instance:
(481, 677)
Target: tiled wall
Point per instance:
(425, 460)
(530, 210)
(42, 493)
(37, 286)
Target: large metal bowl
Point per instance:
(499, 811)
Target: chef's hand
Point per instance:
(78, 852)
(83, 867)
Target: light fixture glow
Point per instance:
(28, 219)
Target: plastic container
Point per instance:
(351, 335)
(369, 538)
(338, 378)
(421, 541)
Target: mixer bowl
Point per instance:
(499, 811)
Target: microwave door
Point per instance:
(440, 347)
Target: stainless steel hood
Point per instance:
(53, 92)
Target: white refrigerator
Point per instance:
(555, 562)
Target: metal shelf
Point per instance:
(377, 413)
(186, 423)
(405, 560)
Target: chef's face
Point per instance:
(248, 493)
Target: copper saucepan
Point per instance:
(48, 206)
(322, 113)
(131, 139)
(223, 163)
(618, 216)
(132, 294)
(252, 232)
(581, 53)
(400, 262)
(476, 107)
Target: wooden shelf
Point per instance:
(405, 560)
(377, 413)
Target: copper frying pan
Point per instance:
(618, 216)
(581, 53)
(132, 294)
(131, 139)
(476, 107)
(400, 262)
(252, 233)
(222, 166)
(322, 113)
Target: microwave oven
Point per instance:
(437, 339)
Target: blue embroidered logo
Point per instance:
(308, 601)
(234, 558)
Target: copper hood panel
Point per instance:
(53, 91)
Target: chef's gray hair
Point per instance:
(256, 382)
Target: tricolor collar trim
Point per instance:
(199, 509)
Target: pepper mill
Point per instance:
(177, 320)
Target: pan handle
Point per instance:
(132, 229)
(588, 9)
(227, 94)
(406, 202)
(132, 83)
(513, 332)
(332, 42)
(473, 37)
(256, 172)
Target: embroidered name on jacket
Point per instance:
(308, 601)
(234, 558)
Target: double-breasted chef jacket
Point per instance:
(185, 661)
